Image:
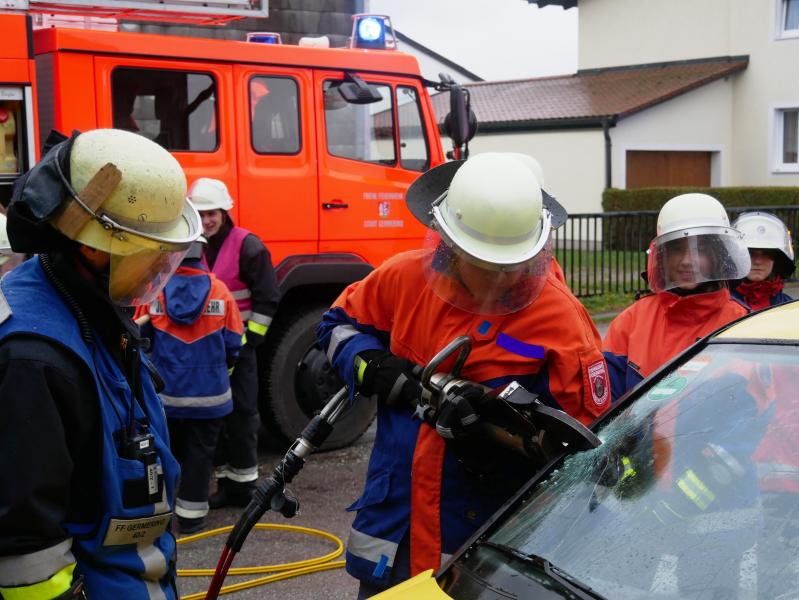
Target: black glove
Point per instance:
(394, 380)
(255, 334)
(460, 412)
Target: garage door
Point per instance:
(647, 168)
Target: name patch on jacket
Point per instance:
(215, 308)
(136, 531)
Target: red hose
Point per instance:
(225, 560)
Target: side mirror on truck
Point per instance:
(356, 91)
(461, 122)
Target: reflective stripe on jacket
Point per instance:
(128, 552)
(551, 347)
(196, 332)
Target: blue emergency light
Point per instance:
(373, 32)
(264, 37)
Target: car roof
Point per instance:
(778, 323)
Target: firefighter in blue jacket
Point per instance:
(87, 480)
(195, 331)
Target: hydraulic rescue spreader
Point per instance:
(512, 418)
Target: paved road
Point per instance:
(328, 483)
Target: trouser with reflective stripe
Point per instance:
(400, 570)
(237, 452)
(193, 442)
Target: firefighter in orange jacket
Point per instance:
(694, 253)
(486, 274)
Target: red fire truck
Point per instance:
(317, 146)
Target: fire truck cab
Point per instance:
(316, 145)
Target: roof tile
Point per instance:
(614, 92)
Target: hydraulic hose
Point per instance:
(279, 572)
(271, 493)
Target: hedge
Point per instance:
(654, 198)
(615, 235)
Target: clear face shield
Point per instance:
(687, 258)
(483, 288)
(137, 275)
(144, 254)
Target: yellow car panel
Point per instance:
(779, 323)
(421, 587)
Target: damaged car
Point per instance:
(693, 494)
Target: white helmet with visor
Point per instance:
(695, 244)
(764, 231)
(489, 235)
(144, 221)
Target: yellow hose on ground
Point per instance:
(282, 571)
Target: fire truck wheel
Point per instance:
(297, 381)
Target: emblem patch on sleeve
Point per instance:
(600, 384)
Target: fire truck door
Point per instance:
(186, 107)
(368, 156)
(277, 156)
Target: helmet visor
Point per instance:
(482, 288)
(140, 267)
(687, 258)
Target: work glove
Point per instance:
(460, 411)
(394, 380)
(255, 334)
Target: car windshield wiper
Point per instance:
(574, 585)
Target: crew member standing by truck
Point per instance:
(240, 259)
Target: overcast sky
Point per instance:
(495, 39)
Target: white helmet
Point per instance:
(489, 233)
(764, 231)
(493, 211)
(5, 244)
(695, 244)
(210, 194)
(144, 221)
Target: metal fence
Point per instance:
(604, 253)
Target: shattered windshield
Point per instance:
(694, 492)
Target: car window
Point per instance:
(412, 142)
(175, 109)
(275, 115)
(363, 132)
(694, 492)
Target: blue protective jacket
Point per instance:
(128, 552)
(196, 330)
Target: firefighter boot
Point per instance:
(231, 493)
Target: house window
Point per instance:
(789, 18)
(786, 135)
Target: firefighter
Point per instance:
(195, 331)
(240, 260)
(87, 481)
(484, 273)
(694, 253)
(771, 251)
